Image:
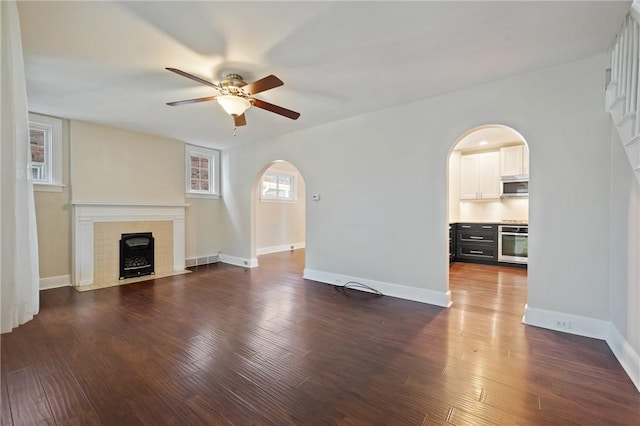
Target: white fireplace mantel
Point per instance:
(86, 214)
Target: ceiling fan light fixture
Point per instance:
(233, 105)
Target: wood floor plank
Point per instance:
(27, 398)
(205, 412)
(18, 351)
(5, 406)
(231, 346)
(221, 399)
(283, 404)
(67, 400)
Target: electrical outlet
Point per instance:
(562, 324)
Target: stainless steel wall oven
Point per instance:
(513, 244)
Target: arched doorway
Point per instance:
(485, 164)
(278, 197)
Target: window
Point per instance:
(202, 167)
(278, 186)
(45, 145)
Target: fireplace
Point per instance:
(136, 255)
(98, 228)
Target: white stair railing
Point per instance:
(622, 99)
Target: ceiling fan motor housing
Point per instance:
(232, 83)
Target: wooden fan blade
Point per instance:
(240, 120)
(193, 77)
(192, 101)
(275, 108)
(269, 82)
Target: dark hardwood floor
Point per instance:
(225, 345)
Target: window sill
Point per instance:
(268, 200)
(47, 187)
(195, 195)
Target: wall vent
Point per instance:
(199, 261)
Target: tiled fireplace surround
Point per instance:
(97, 229)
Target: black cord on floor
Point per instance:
(352, 284)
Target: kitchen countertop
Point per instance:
(489, 222)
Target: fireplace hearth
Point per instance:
(136, 255)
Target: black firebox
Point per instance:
(136, 255)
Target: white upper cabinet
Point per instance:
(469, 169)
(480, 176)
(514, 160)
(489, 176)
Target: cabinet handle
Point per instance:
(474, 237)
(487, 227)
(465, 226)
(476, 252)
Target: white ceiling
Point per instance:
(104, 61)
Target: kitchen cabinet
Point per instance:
(477, 242)
(452, 243)
(514, 160)
(480, 176)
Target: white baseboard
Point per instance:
(238, 261)
(277, 249)
(55, 282)
(388, 289)
(575, 324)
(627, 356)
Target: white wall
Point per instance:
(280, 224)
(454, 187)
(382, 179)
(625, 262)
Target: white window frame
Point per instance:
(214, 171)
(276, 199)
(52, 128)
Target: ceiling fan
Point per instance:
(236, 95)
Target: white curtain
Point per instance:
(19, 299)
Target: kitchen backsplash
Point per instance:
(493, 211)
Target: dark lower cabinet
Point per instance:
(477, 251)
(452, 243)
(476, 242)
